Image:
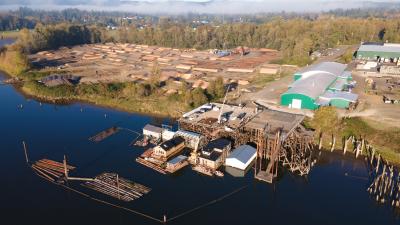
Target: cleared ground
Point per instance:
(371, 106)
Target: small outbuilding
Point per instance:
(241, 157)
(152, 131)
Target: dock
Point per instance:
(151, 165)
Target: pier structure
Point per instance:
(279, 136)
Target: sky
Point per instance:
(195, 6)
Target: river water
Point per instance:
(326, 196)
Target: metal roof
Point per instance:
(387, 47)
(338, 84)
(168, 145)
(316, 79)
(153, 128)
(333, 68)
(312, 86)
(177, 159)
(351, 97)
(244, 154)
(187, 134)
(219, 144)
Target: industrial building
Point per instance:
(214, 153)
(386, 52)
(169, 148)
(322, 84)
(241, 157)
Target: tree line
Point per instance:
(296, 38)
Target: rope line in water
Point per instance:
(104, 202)
(356, 177)
(208, 203)
(143, 214)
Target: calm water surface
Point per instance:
(327, 196)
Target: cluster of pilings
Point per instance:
(385, 179)
(297, 153)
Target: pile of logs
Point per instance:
(385, 179)
(49, 169)
(113, 185)
(104, 134)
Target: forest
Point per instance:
(295, 38)
(296, 35)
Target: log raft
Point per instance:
(104, 134)
(117, 187)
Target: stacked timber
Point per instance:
(241, 70)
(49, 169)
(113, 185)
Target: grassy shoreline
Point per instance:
(141, 106)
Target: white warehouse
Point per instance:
(241, 157)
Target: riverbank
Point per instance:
(385, 141)
(154, 105)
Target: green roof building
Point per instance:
(374, 51)
(319, 85)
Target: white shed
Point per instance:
(152, 131)
(241, 157)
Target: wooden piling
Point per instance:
(65, 167)
(26, 152)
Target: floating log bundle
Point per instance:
(104, 134)
(113, 185)
(50, 170)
